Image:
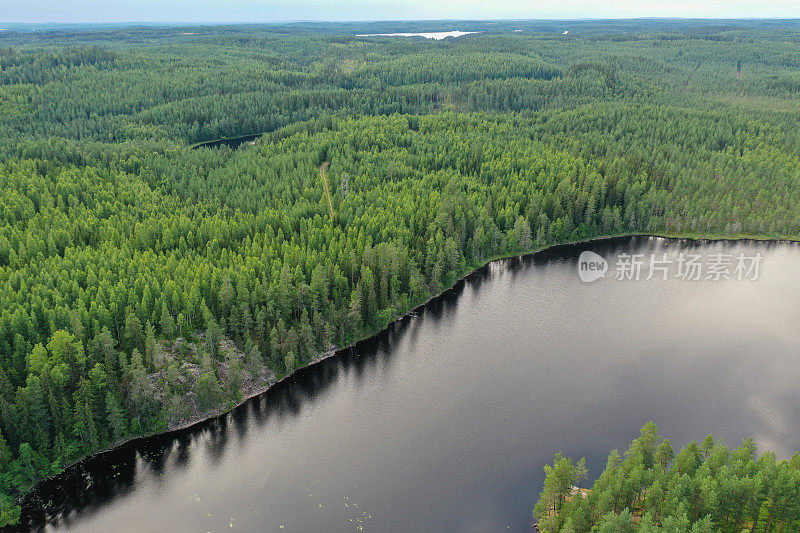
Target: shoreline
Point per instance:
(411, 312)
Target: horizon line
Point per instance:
(361, 21)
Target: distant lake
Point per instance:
(233, 142)
(444, 422)
(438, 35)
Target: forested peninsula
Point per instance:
(147, 283)
(705, 488)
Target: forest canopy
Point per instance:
(705, 487)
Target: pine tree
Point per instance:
(581, 472)
(213, 338)
(116, 418)
(85, 428)
(167, 322)
(209, 391)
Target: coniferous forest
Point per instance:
(149, 277)
(706, 487)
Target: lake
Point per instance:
(437, 35)
(443, 422)
(233, 142)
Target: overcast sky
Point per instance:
(339, 10)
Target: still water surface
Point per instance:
(437, 35)
(444, 422)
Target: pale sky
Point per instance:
(352, 10)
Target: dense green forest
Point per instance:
(706, 487)
(147, 282)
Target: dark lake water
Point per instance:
(444, 422)
(233, 142)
